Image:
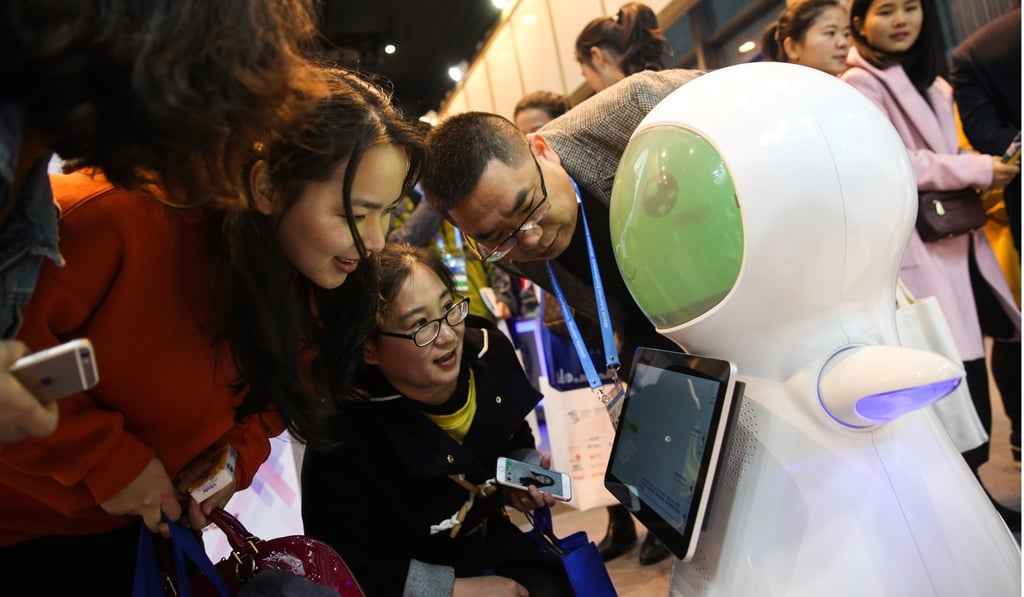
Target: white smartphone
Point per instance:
(521, 475)
(58, 372)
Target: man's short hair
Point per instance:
(554, 104)
(459, 150)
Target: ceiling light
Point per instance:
(430, 118)
(458, 71)
(747, 46)
(501, 4)
(389, 49)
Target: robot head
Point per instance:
(759, 214)
(683, 217)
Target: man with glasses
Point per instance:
(515, 196)
(417, 223)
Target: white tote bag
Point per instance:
(921, 324)
(580, 437)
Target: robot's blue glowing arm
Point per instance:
(867, 386)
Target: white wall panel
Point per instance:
(656, 5)
(456, 103)
(535, 43)
(569, 17)
(478, 89)
(531, 50)
(503, 64)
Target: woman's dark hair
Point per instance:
(395, 265)
(632, 35)
(924, 61)
(537, 480)
(554, 104)
(794, 22)
(158, 93)
(298, 346)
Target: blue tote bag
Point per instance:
(581, 558)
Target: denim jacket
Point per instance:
(30, 234)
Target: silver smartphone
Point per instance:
(1012, 153)
(514, 473)
(58, 372)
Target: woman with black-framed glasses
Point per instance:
(408, 499)
(426, 332)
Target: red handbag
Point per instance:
(304, 556)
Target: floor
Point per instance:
(1000, 476)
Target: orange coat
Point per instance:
(137, 284)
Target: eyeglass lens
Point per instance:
(532, 220)
(455, 315)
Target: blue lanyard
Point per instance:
(607, 336)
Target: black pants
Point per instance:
(1006, 373)
(977, 385)
(101, 564)
(1011, 197)
(1005, 364)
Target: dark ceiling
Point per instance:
(430, 36)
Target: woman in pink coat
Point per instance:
(896, 61)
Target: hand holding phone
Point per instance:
(520, 475)
(58, 372)
(21, 413)
(1012, 153)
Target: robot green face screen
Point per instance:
(676, 226)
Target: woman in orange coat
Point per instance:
(202, 321)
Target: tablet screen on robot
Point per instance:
(668, 442)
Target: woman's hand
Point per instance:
(21, 413)
(1002, 173)
(527, 500)
(199, 467)
(199, 514)
(149, 495)
(498, 586)
(501, 311)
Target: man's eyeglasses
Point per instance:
(531, 221)
(428, 332)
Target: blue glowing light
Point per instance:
(887, 406)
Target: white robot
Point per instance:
(759, 215)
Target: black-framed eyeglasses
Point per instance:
(428, 332)
(531, 221)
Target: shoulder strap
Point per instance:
(481, 490)
(904, 298)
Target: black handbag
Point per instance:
(945, 214)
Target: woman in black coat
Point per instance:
(445, 397)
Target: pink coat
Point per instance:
(941, 268)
